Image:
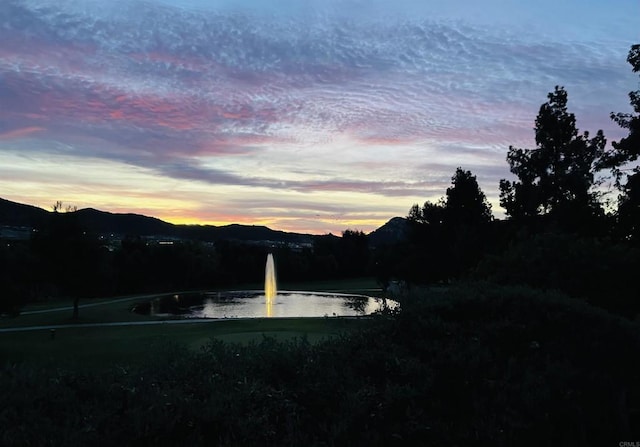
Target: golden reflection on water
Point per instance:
(269, 304)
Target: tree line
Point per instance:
(64, 260)
(558, 233)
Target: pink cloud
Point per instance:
(20, 133)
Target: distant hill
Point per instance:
(395, 230)
(133, 224)
(18, 214)
(241, 232)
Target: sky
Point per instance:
(312, 116)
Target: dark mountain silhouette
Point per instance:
(241, 232)
(133, 224)
(102, 222)
(395, 230)
(18, 214)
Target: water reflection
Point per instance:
(269, 307)
(253, 304)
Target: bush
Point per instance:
(598, 271)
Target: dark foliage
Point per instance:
(628, 224)
(555, 178)
(596, 270)
(70, 258)
(448, 237)
(627, 150)
(471, 366)
(17, 285)
(624, 153)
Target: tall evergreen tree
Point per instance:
(624, 152)
(557, 177)
(448, 236)
(465, 204)
(627, 150)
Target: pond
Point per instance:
(254, 304)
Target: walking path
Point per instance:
(129, 323)
(115, 323)
(101, 303)
(154, 295)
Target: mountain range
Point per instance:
(13, 214)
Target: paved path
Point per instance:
(132, 323)
(82, 306)
(101, 303)
(155, 322)
(116, 323)
(155, 295)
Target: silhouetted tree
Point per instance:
(240, 262)
(71, 257)
(326, 249)
(17, 285)
(624, 152)
(293, 264)
(466, 204)
(629, 209)
(430, 213)
(628, 148)
(555, 178)
(448, 236)
(354, 253)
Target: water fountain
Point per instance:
(270, 288)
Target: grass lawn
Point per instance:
(104, 310)
(95, 347)
(103, 346)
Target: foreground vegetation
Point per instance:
(95, 348)
(465, 366)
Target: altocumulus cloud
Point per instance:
(289, 97)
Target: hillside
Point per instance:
(17, 214)
(102, 222)
(395, 230)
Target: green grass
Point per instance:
(103, 346)
(104, 313)
(118, 308)
(96, 347)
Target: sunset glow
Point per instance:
(314, 118)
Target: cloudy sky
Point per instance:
(303, 115)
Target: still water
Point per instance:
(254, 304)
